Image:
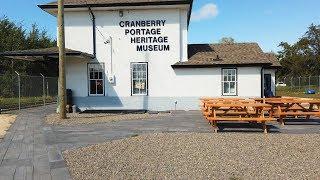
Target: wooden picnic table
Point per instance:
(283, 108)
(236, 111)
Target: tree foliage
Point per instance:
(303, 57)
(14, 37)
(227, 40)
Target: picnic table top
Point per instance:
(292, 101)
(220, 99)
(287, 100)
(257, 105)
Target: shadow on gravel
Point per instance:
(302, 121)
(246, 128)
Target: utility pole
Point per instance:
(62, 56)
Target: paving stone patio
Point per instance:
(32, 149)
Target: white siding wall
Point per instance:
(249, 81)
(207, 82)
(76, 76)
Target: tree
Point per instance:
(303, 57)
(14, 37)
(227, 40)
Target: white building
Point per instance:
(134, 55)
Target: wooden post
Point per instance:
(62, 55)
(264, 126)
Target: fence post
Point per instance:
(319, 82)
(19, 90)
(291, 82)
(43, 90)
(47, 88)
(299, 82)
(309, 82)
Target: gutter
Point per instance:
(218, 65)
(93, 19)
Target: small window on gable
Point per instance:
(96, 79)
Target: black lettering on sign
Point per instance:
(147, 34)
(121, 23)
(153, 48)
(126, 31)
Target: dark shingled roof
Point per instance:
(113, 3)
(116, 3)
(34, 54)
(205, 55)
(273, 59)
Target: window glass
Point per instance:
(96, 79)
(99, 86)
(225, 87)
(139, 78)
(232, 87)
(92, 86)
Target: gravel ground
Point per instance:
(91, 118)
(199, 155)
(5, 122)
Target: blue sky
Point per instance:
(267, 22)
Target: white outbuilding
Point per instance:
(134, 55)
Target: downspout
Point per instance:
(93, 19)
(262, 82)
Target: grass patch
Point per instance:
(297, 92)
(12, 103)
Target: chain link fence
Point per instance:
(22, 91)
(302, 83)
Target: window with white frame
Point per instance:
(229, 82)
(139, 78)
(96, 79)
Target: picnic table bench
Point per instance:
(235, 110)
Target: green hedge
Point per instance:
(13, 103)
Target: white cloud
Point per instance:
(207, 11)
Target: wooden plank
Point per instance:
(300, 113)
(240, 119)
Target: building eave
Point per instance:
(176, 66)
(51, 7)
(54, 6)
(40, 54)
